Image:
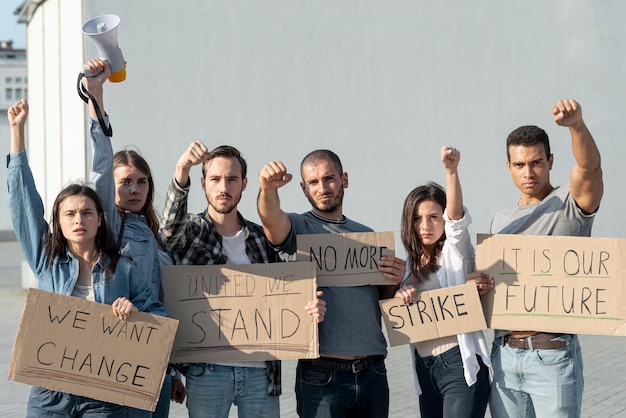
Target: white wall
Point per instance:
(384, 84)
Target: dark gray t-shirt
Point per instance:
(352, 324)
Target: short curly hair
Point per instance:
(526, 136)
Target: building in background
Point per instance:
(384, 84)
(12, 74)
(13, 87)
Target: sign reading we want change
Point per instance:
(554, 284)
(241, 312)
(72, 345)
(348, 259)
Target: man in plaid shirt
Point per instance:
(221, 235)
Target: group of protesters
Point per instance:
(106, 243)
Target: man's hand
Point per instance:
(274, 175)
(18, 113)
(197, 153)
(484, 282)
(178, 391)
(393, 268)
(567, 113)
(317, 307)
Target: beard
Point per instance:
(330, 205)
(226, 207)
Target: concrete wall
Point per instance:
(384, 84)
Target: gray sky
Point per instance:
(9, 28)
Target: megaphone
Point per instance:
(103, 31)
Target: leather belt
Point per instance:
(541, 341)
(341, 365)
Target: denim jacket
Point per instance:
(32, 232)
(137, 240)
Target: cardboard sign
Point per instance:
(349, 259)
(76, 346)
(241, 312)
(435, 314)
(554, 284)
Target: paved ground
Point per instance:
(605, 378)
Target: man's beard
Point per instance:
(330, 206)
(230, 206)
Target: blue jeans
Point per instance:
(328, 393)
(212, 389)
(51, 403)
(537, 383)
(163, 405)
(444, 390)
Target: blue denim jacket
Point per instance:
(138, 241)
(32, 232)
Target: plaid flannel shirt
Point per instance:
(193, 239)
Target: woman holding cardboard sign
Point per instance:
(451, 373)
(77, 257)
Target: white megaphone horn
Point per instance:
(103, 31)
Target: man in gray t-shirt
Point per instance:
(349, 379)
(538, 373)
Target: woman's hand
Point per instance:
(408, 294)
(122, 307)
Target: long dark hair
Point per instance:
(56, 245)
(411, 239)
(130, 158)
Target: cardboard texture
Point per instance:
(554, 284)
(242, 312)
(349, 259)
(76, 346)
(435, 314)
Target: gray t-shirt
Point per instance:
(557, 214)
(352, 324)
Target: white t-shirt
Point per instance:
(234, 248)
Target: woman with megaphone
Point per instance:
(124, 183)
(73, 255)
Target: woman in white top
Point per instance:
(451, 373)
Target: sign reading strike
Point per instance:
(551, 283)
(72, 345)
(349, 259)
(435, 314)
(241, 312)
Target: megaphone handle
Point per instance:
(90, 74)
(86, 96)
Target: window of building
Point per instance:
(18, 94)
(8, 95)
(8, 80)
(18, 80)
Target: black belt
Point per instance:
(341, 365)
(541, 341)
